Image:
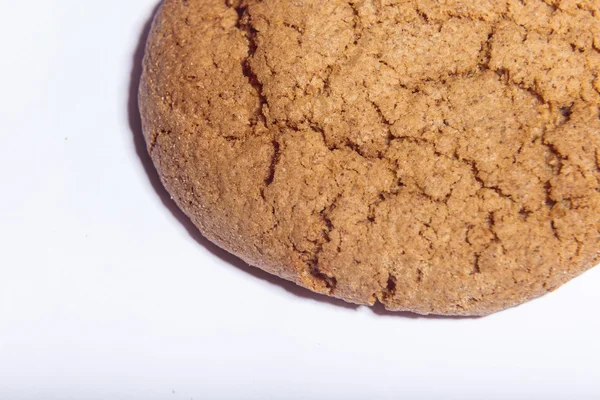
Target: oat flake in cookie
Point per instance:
(435, 156)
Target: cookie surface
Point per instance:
(436, 156)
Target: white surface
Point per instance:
(104, 294)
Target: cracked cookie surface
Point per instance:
(437, 157)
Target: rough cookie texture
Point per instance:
(436, 156)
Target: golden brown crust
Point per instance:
(438, 157)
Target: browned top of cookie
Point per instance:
(436, 156)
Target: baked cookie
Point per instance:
(440, 157)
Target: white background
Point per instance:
(106, 292)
